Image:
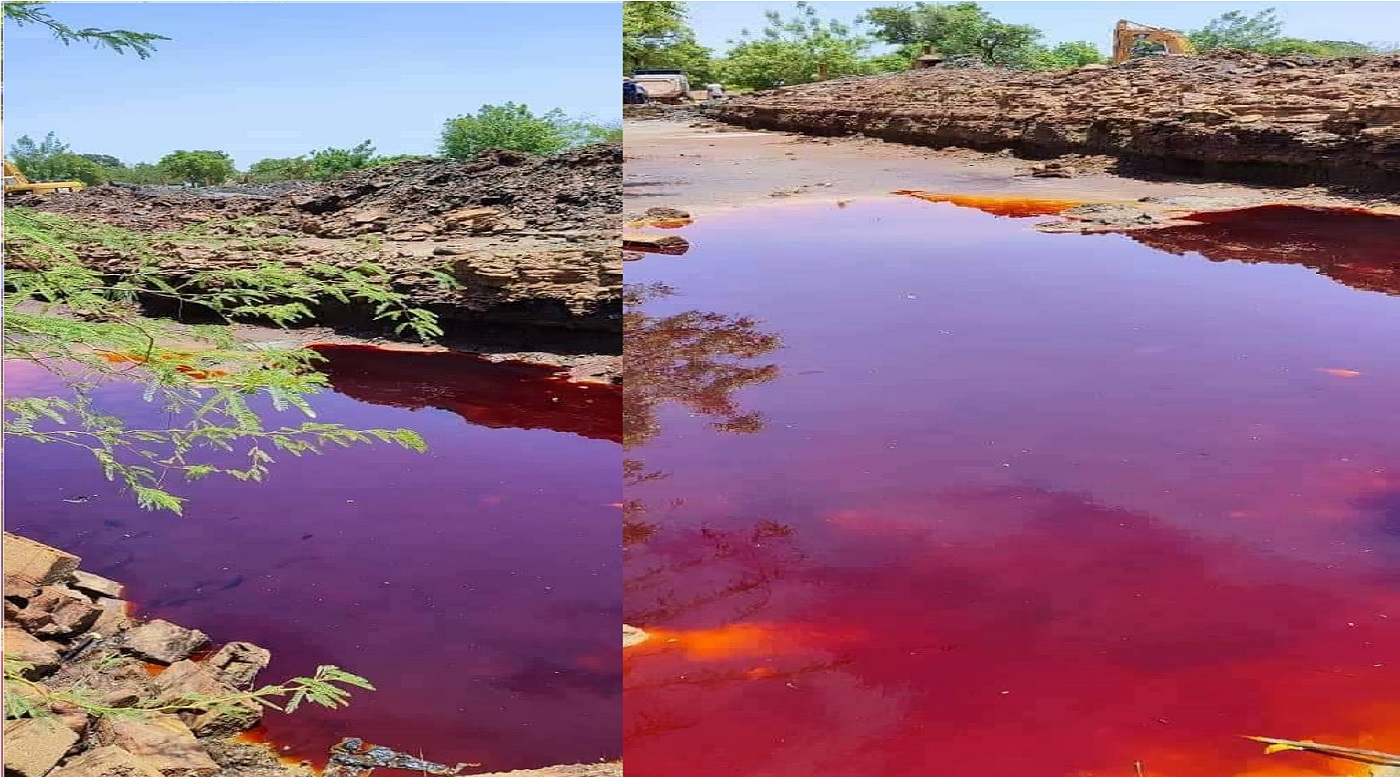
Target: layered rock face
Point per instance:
(1229, 115)
(531, 241)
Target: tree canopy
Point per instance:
(513, 127)
(658, 35)
(201, 168)
(51, 160)
(1262, 32)
(795, 50)
(956, 29)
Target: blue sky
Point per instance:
(717, 22)
(259, 80)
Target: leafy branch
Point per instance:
(24, 12)
(328, 687)
(83, 326)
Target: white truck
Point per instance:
(664, 86)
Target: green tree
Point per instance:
(201, 168)
(335, 162)
(295, 168)
(105, 160)
(1063, 56)
(658, 35)
(512, 127)
(954, 29)
(51, 160)
(1262, 32)
(1238, 30)
(121, 41)
(795, 51)
(141, 174)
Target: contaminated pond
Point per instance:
(915, 489)
(475, 585)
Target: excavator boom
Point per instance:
(17, 183)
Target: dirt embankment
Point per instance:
(531, 241)
(1225, 115)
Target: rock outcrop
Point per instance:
(1227, 115)
(530, 241)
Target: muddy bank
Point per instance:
(530, 242)
(1225, 115)
(705, 167)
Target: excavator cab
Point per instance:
(17, 183)
(1128, 37)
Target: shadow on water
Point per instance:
(496, 395)
(1016, 507)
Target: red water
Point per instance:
(1005, 503)
(475, 585)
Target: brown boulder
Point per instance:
(162, 741)
(113, 618)
(187, 682)
(162, 642)
(34, 563)
(58, 612)
(21, 646)
(109, 761)
(95, 585)
(33, 746)
(238, 663)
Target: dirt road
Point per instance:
(704, 167)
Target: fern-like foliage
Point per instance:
(25, 697)
(84, 326)
(142, 44)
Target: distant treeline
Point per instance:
(509, 126)
(796, 49)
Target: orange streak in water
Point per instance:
(1338, 372)
(660, 223)
(1017, 207)
(739, 639)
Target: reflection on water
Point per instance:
(692, 359)
(1353, 247)
(1022, 504)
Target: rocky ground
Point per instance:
(531, 242)
(1223, 115)
(74, 633)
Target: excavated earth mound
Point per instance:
(531, 241)
(1227, 115)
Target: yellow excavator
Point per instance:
(16, 183)
(1127, 35)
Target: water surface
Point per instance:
(916, 490)
(475, 585)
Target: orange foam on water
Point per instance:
(737, 639)
(1016, 207)
(134, 358)
(661, 223)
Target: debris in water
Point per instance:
(352, 757)
(1015, 207)
(1350, 753)
(1338, 372)
(645, 242)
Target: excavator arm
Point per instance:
(17, 183)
